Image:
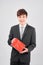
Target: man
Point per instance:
(25, 33)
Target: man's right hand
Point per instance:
(12, 40)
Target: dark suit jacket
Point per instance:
(29, 39)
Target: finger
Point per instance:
(22, 52)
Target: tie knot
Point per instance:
(22, 27)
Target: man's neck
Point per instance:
(23, 24)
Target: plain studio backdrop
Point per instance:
(8, 18)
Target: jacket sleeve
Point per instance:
(33, 41)
(10, 36)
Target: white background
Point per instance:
(8, 18)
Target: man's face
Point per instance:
(22, 19)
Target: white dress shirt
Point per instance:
(23, 29)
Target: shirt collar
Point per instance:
(23, 26)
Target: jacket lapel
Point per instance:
(25, 31)
(18, 31)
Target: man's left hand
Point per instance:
(25, 50)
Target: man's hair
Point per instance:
(22, 12)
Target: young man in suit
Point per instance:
(25, 33)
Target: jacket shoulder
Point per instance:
(31, 27)
(14, 26)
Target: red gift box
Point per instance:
(17, 44)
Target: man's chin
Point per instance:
(22, 22)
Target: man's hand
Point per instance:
(25, 50)
(12, 40)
